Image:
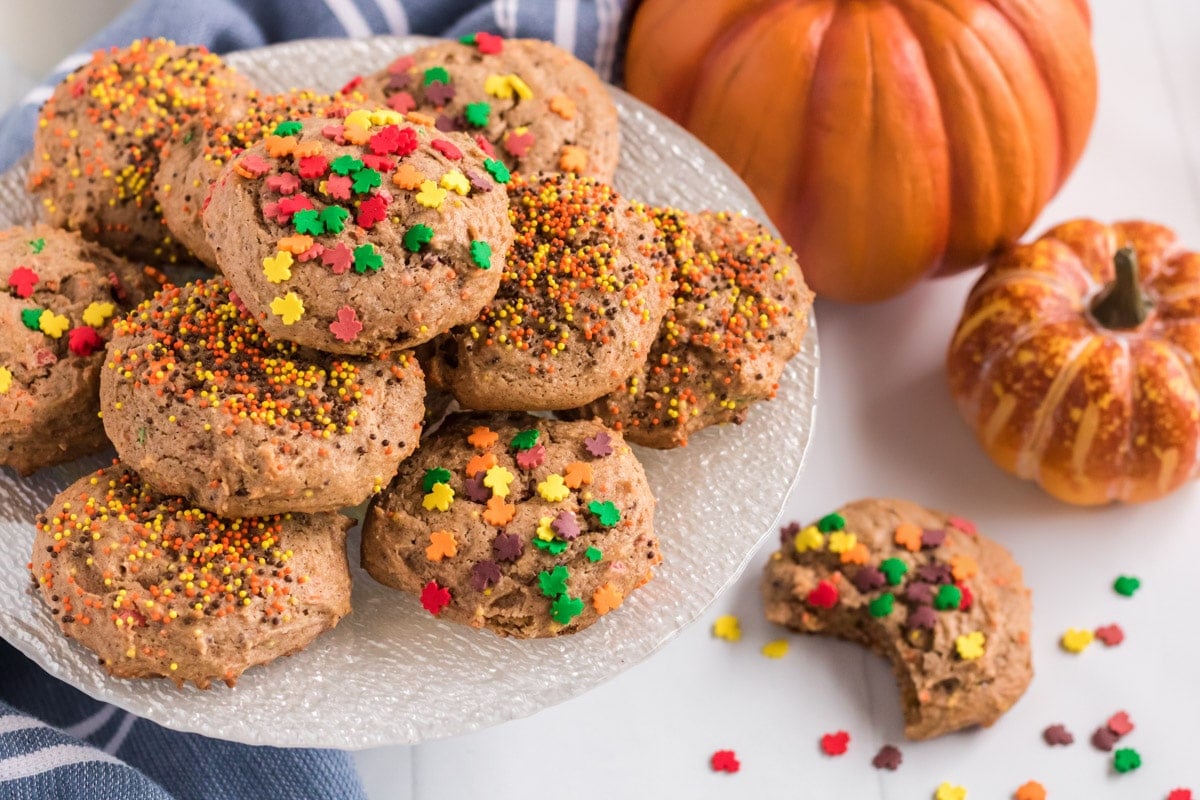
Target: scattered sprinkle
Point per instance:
(1104, 739)
(835, 744)
(1058, 735)
(1126, 759)
(1030, 790)
(889, 757)
(1110, 635)
(1126, 585)
(1076, 640)
(725, 761)
(727, 627)
(775, 649)
(1120, 724)
(947, 791)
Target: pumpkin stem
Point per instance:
(1122, 304)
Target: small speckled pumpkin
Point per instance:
(1077, 361)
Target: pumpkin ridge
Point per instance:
(1020, 337)
(1065, 161)
(965, 169)
(1038, 195)
(1001, 280)
(1029, 458)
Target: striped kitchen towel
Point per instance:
(56, 742)
(588, 28)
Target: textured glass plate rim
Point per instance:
(584, 660)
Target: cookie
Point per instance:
(739, 313)
(96, 148)
(540, 108)
(206, 405)
(193, 157)
(158, 588)
(59, 295)
(362, 235)
(945, 605)
(529, 527)
(586, 284)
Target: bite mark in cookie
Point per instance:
(944, 604)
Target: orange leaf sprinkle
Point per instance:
(577, 474)
(480, 463)
(963, 567)
(607, 598)
(908, 535)
(408, 177)
(441, 545)
(499, 513)
(482, 438)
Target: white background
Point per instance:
(886, 426)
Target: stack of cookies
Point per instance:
(448, 217)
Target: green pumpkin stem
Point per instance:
(1122, 304)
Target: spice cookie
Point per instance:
(158, 588)
(205, 405)
(739, 313)
(58, 297)
(529, 527)
(97, 144)
(539, 107)
(586, 284)
(195, 154)
(361, 235)
(944, 604)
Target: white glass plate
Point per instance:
(390, 673)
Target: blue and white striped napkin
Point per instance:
(56, 742)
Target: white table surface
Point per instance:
(886, 426)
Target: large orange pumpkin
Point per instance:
(1077, 362)
(888, 139)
